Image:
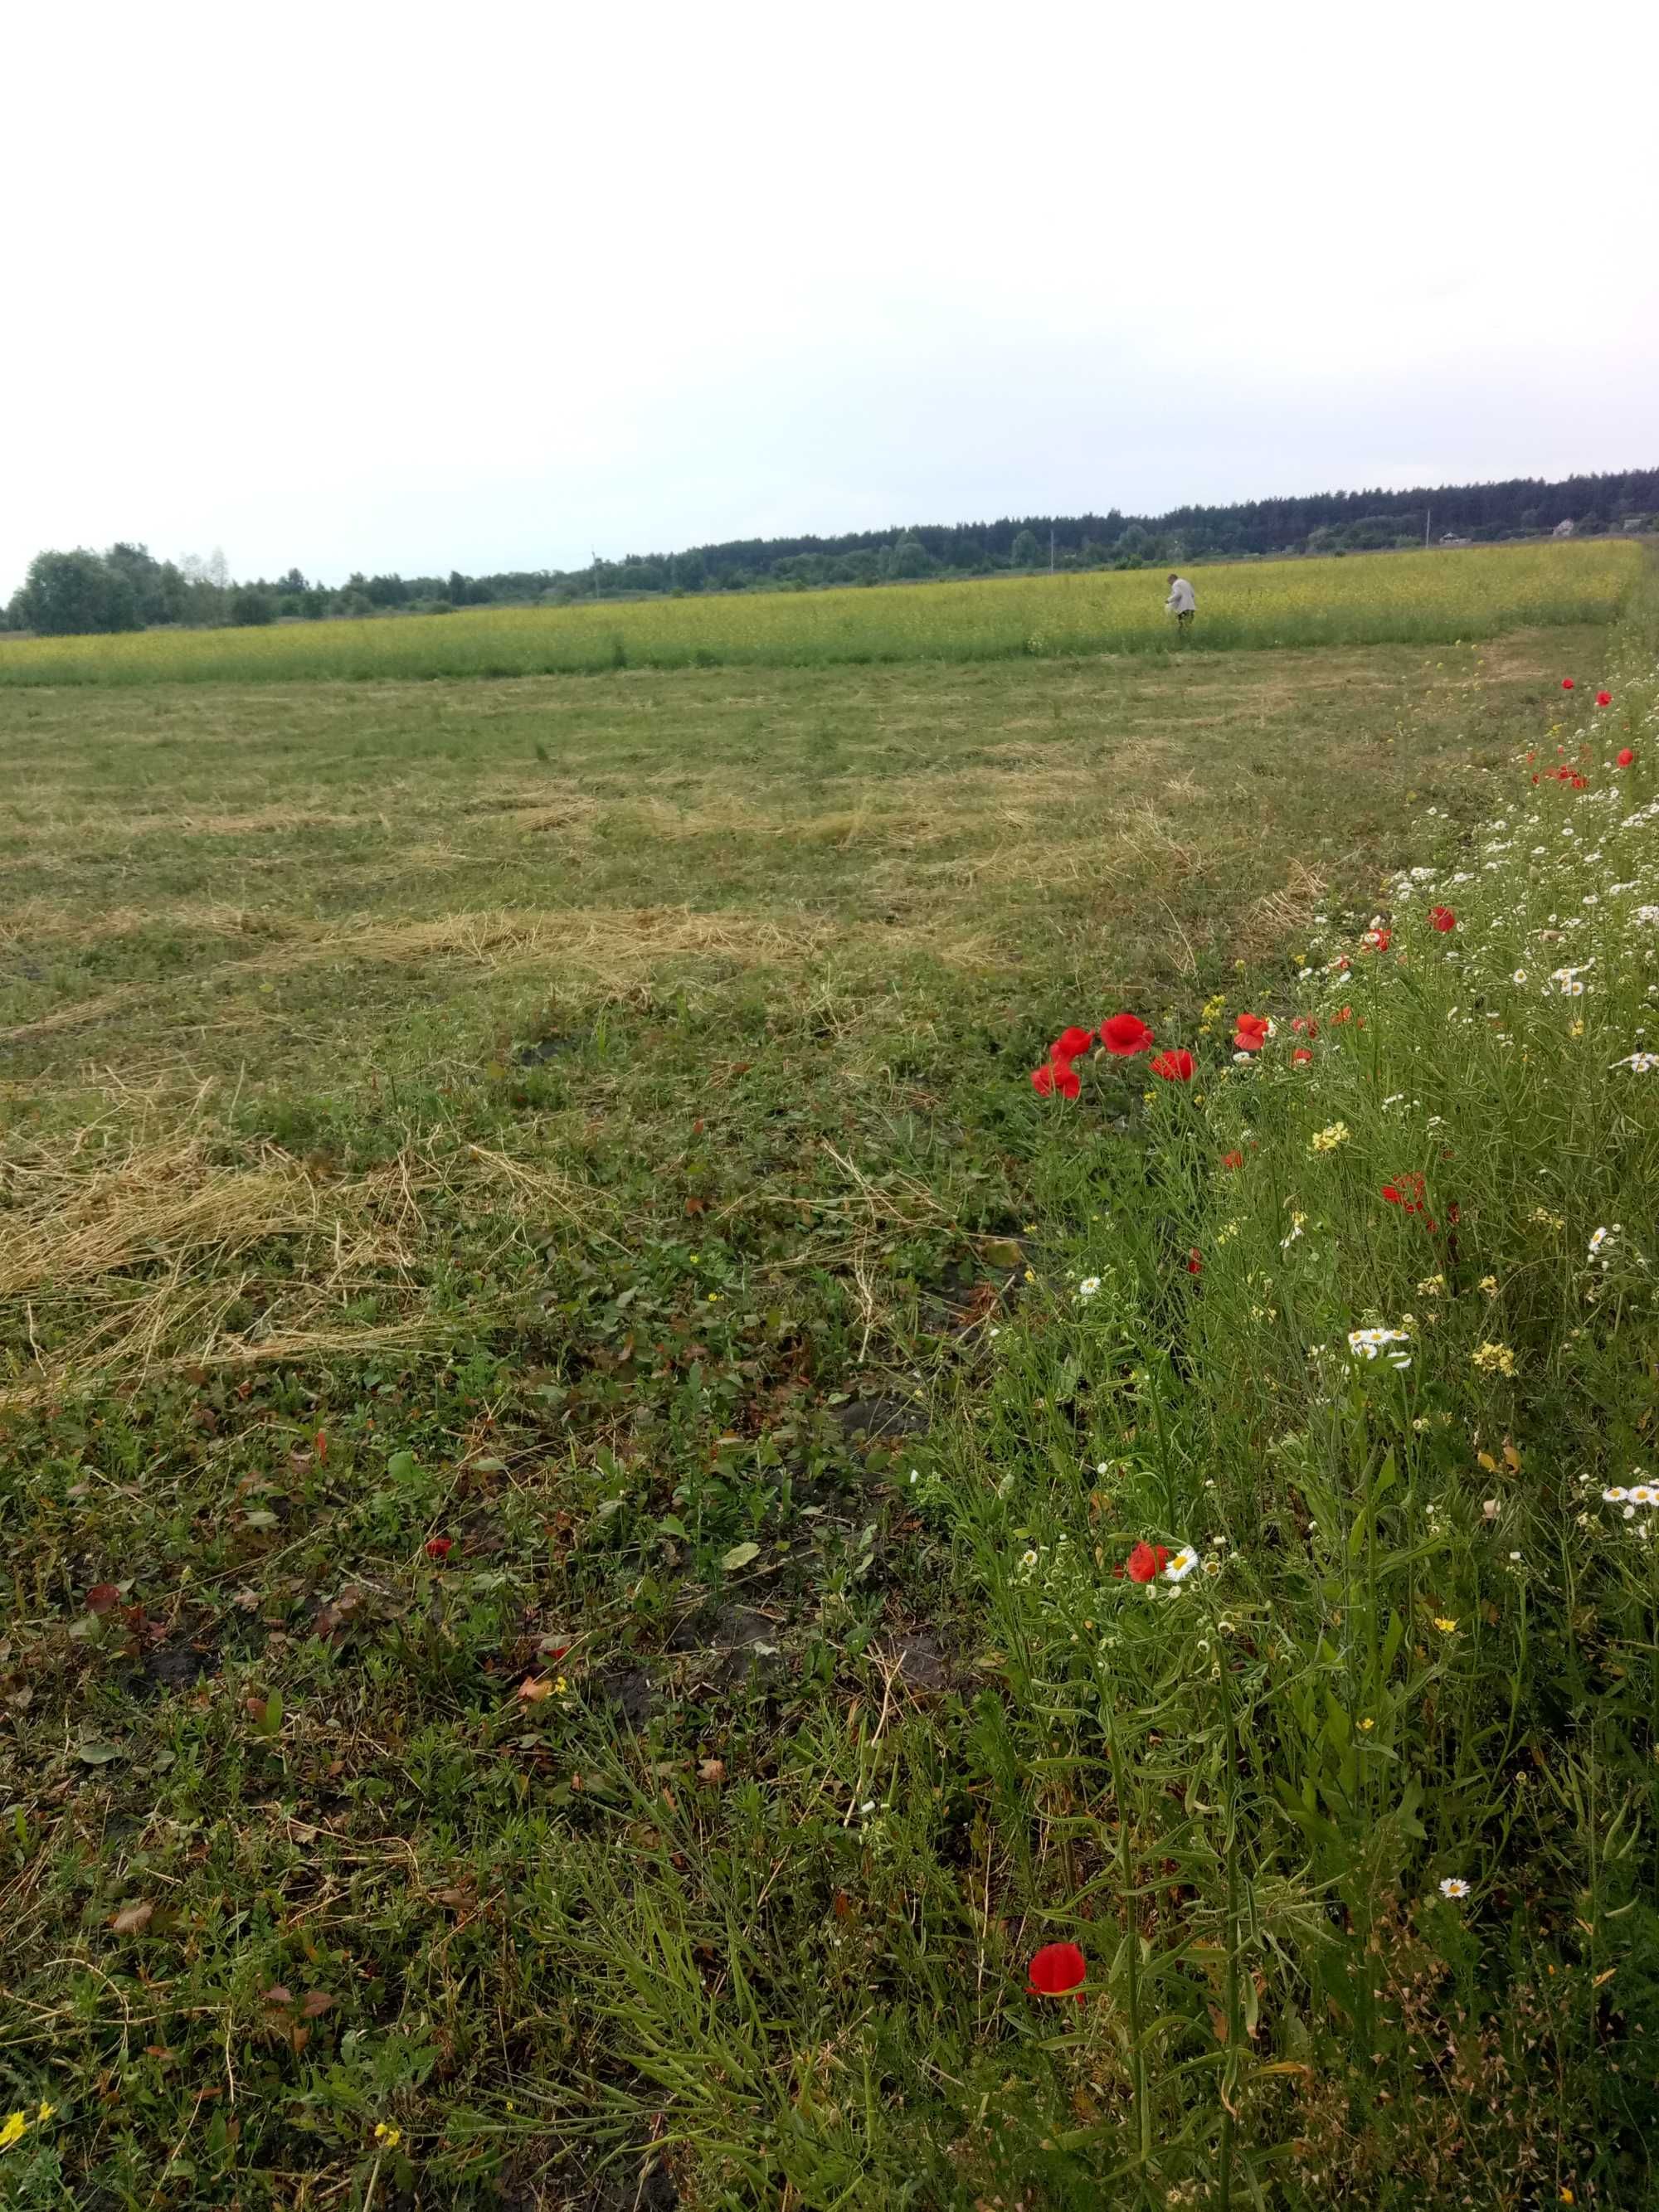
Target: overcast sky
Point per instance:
(364, 285)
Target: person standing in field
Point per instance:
(1180, 603)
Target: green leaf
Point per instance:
(93, 1750)
(739, 1556)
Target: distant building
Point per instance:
(1451, 538)
(1562, 530)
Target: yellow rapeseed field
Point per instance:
(1372, 599)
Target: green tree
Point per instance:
(1025, 553)
(251, 607)
(71, 594)
(909, 558)
(156, 585)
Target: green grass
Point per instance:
(1429, 598)
(587, 1122)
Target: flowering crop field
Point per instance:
(834, 1436)
(1373, 598)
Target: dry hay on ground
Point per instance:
(188, 1250)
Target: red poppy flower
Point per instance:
(439, 1547)
(1305, 1025)
(1376, 940)
(1566, 683)
(1057, 1971)
(1579, 783)
(322, 1443)
(1442, 918)
(1604, 698)
(1125, 1035)
(1070, 1043)
(1251, 1032)
(1301, 1056)
(1232, 1159)
(1146, 1560)
(1343, 1014)
(1055, 1075)
(1626, 758)
(1534, 778)
(1406, 1193)
(1173, 1067)
(1194, 1261)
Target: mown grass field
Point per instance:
(1428, 598)
(561, 1493)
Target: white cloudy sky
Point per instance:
(359, 285)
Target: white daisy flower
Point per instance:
(1452, 1886)
(1088, 1286)
(1182, 1565)
(1616, 1495)
(1643, 1062)
(1379, 1343)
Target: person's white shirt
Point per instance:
(1180, 601)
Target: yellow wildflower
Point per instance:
(389, 2138)
(1327, 1141)
(1446, 1628)
(1489, 1285)
(1430, 1284)
(15, 2128)
(46, 2112)
(1493, 1358)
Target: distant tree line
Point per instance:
(128, 588)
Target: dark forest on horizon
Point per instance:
(127, 588)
